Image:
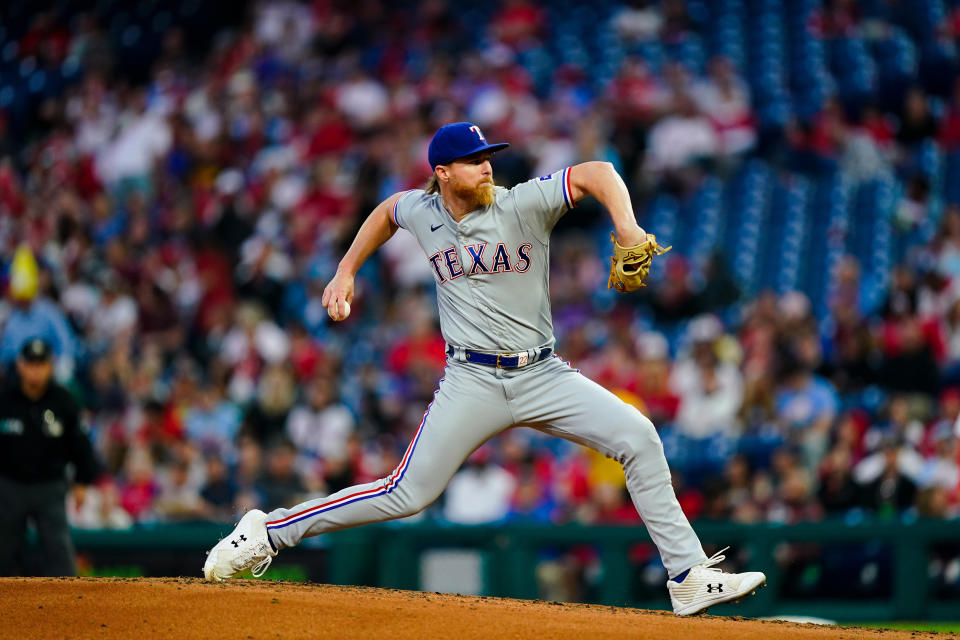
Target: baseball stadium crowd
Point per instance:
(168, 222)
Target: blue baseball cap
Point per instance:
(458, 140)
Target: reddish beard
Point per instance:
(481, 195)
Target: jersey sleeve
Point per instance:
(541, 201)
(401, 207)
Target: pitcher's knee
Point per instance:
(413, 501)
(640, 437)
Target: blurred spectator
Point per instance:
(322, 426)
(851, 358)
(795, 501)
(941, 470)
(946, 245)
(97, 507)
(246, 472)
(116, 315)
(653, 377)
(898, 423)
(815, 142)
(725, 99)
(909, 363)
(638, 20)
(737, 475)
(913, 210)
(949, 132)
(862, 157)
(710, 390)
(878, 125)
(916, 121)
(806, 405)
(213, 421)
(138, 488)
(610, 504)
(178, 498)
(934, 502)
(287, 27)
(32, 315)
(480, 492)
(219, 491)
(635, 94)
(266, 418)
(891, 491)
(422, 343)
(679, 142)
(363, 100)
(838, 491)
(126, 162)
(280, 484)
(531, 501)
(720, 290)
(517, 22)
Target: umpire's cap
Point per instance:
(36, 350)
(458, 140)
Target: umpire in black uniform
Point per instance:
(40, 433)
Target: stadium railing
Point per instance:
(868, 570)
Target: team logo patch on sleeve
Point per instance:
(549, 176)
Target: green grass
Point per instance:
(952, 627)
(285, 572)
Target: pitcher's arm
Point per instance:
(601, 180)
(374, 232)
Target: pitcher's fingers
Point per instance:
(333, 309)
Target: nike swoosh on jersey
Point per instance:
(434, 228)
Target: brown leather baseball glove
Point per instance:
(629, 266)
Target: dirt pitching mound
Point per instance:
(142, 608)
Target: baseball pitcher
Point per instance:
(488, 249)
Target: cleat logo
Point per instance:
(718, 587)
(236, 544)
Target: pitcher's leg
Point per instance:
(468, 408)
(560, 401)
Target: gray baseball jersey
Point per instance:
(491, 268)
(491, 271)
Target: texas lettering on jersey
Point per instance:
(446, 263)
(491, 268)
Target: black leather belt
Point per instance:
(503, 360)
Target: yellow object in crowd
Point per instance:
(24, 274)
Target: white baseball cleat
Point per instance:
(247, 547)
(706, 585)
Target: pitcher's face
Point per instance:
(471, 179)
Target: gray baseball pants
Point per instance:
(476, 402)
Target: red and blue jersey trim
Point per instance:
(390, 483)
(566, 362)
(567, 193)
(396, 203)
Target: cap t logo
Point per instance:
(458, 140)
